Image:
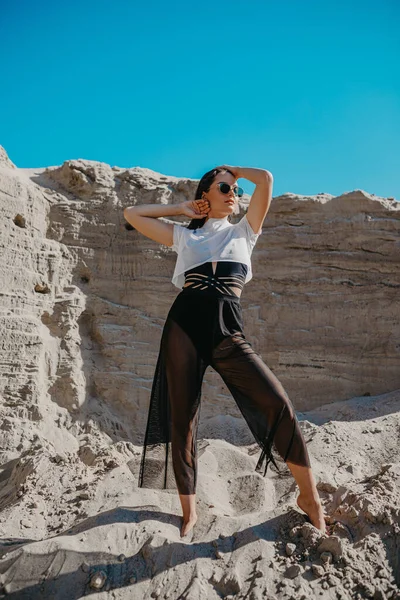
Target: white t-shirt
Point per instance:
(216, 240)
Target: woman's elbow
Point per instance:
(128, 210)
(129, 213)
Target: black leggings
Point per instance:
(201, 329)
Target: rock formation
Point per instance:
(83, 302)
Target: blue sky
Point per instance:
(309, 90)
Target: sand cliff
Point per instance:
(83, 305)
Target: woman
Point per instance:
(205, 327)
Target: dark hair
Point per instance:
(204, 185)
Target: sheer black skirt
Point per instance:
(201, 329)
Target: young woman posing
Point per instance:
(204, 327)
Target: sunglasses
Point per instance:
(225, 188)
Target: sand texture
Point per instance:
(83, 303)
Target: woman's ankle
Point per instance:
(311, 499)
(191, 517)
(188, 503)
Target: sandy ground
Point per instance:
(90, 530)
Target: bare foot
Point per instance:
(187, 525)
(313, 508)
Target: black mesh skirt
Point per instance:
(201, 329)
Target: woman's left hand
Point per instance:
(235, 170)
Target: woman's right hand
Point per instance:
(195, 209)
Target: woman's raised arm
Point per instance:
(144, 218)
